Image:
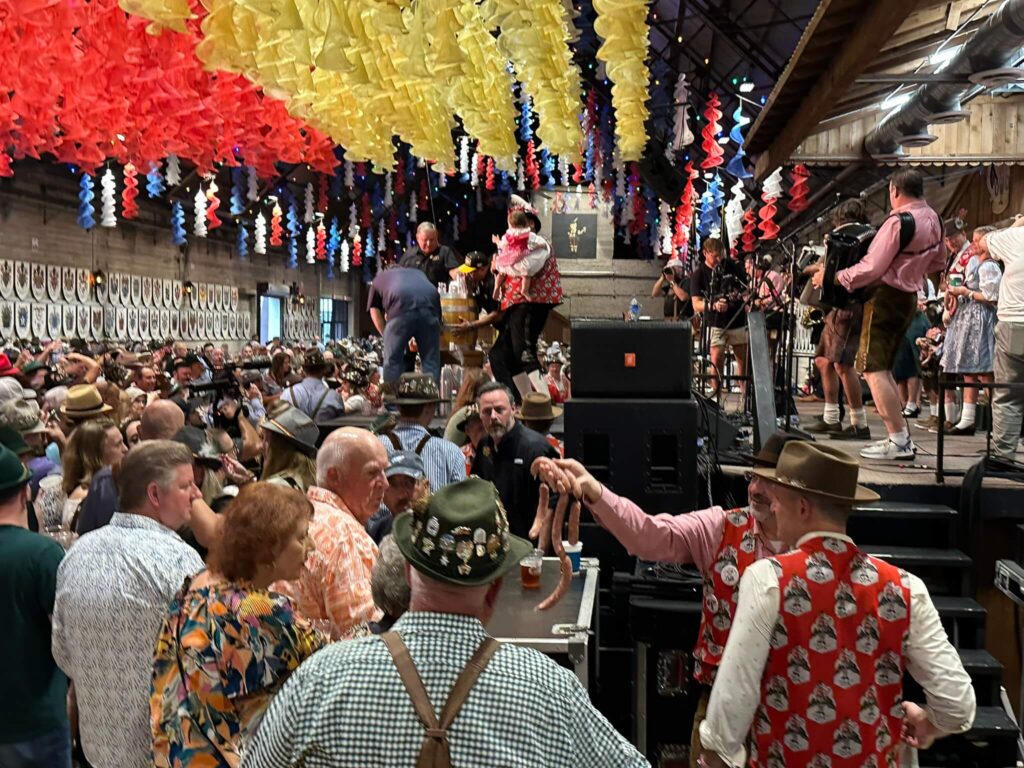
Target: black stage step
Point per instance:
(985, 672)
(901, 523)
(944, 571)
(963, 618)
(991, 743)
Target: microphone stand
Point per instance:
(789, 329)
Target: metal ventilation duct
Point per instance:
(991, 47)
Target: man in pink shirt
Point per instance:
(893, 275)
(721, 543)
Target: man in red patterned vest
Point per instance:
(721, 543)
(812, 674)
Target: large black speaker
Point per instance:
(660, 175)
(613, 358)
(645, 450)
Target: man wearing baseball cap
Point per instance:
(672, 285)
(372, 701)
(404, 473)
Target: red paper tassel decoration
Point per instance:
(365, 214)
(129, 208)
(532, 169)
(769, 229)
(213, 203)
(592, 194)
(489, 184)
(361, 170)
(400, 177)
(357, 252)
(749, 238)
(321, 194)
(713, 151)
(321, 242)
(577, 174)
(275, 227)
(5, 165)
(798, 192)
(684, 214)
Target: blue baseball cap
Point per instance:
(405, 463)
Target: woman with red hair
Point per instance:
(228, 643)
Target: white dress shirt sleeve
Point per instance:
(737, 691)
(933, 662)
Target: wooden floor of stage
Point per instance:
(959, 454)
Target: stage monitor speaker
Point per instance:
(648, 359)
(660, 175)
(713, 424)
(645, 450)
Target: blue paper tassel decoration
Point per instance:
(177, 224)
(736, 166)
(237, 203)
(85, 206)
(293, 230)
(548, 166)
(526, 119)
(243, 242)
(154, 181)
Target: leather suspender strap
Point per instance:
(435, 751)
(423, 444)
(394, 441)
(319, 403)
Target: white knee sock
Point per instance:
(933, 410)
(952, 412)
(831, 415)
(967, 416)
(900, 438)
(859, 417)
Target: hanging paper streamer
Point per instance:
(464, 158)
(489, 182)
(526, 119)
(107, 191)
(5, 165)
(400, 186)
(389, 199)
(353, 222)
(710, 221)
(321, 241)
(798, 192)
(129, 208)
(213, 203)
(370, 253)
(242, 241)
(85, 207)
(548, 165)
(293, 253)
(292, 221)
(310, 245)
(307, 207)
(260, 245)
(520, 176)
(154, 180)
(734, 214)
(173, 173)
(252, 187)
(736, 166)
(749, 231)
(563, 170)
(684, 213)
(357, 252)
(321, 193)
(276, 230)
(237, 200)
(350, 175)
(713, 151)
(682, 136)
(382, 238)
(343, 251)
(199, 213)
(177, 224)
(333, 244)
(477, 169)
(530, 167)
(770, 192)
(664, 228)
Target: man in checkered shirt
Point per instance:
(349, 704)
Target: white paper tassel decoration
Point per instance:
(252, 184)
(343, 256)
(350, 174)
(310, 245)
(382, 238)
(389, 199)
(107, 216)
(261, 234)
(563, 171)
(173, 173)
(199, 225)
(772, 188)
(442, 179)
(682, 136)
(307, 202)
(665, 227)
(474, 177)
(520, 176)
(413, 212)
(734, 212)
(353, 222)
(464, 155)
(620, 174)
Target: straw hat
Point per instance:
(83, 402)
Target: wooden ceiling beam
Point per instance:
(878, 23)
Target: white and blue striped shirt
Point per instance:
(443, 460)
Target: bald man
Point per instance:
(334, 586)
(161, 420)
(438, 262)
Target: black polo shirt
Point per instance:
(726, 280)
(508, 467)
(437, 266)
(483, 295)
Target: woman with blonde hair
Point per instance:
(228, 643)
(94, 444)
(289, 456)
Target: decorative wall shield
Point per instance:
(248, 324)
(109, 322)
(168, 289)
(222, 297)
(165, 323)
(114, 288)
(7, 318)
(147, 291)
(144, 323)
(55, 321)
(24, 284)
(39, 321)
(100, 291)
(53, 282)
(225, 322)
(158, 292)
(154, 323)
(192, 323)
(96, 322)
(133, 320)
(82, 285)
(218, 326)
(126, 289)
(136, 291)
(23, 319)
(233, 299)
(82, 322)
(193, 297)
(69, 321)
(7, 279)
(204, 295)
(200, 325)
(176, 290)
(175, 324)
(232, 325)
(121, 323)
(69, 282)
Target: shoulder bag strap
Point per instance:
(434, 752)
(423, 444)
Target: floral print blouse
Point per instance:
(235, 645)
